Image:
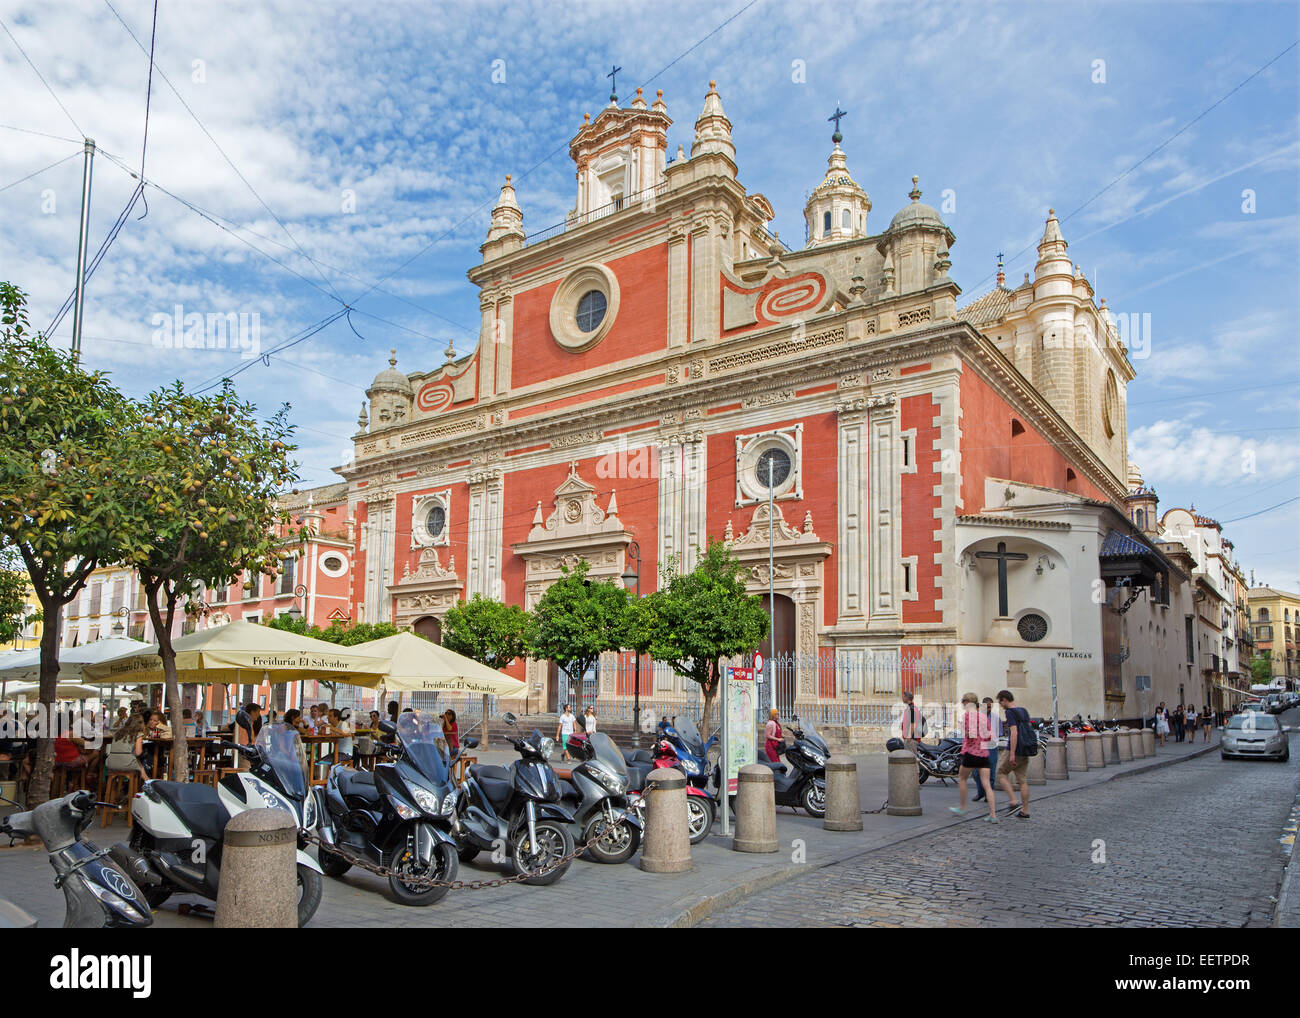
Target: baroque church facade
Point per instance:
(946, 478)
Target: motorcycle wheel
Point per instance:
(554, 842)
(699, 818)
(310, 887)
(446, 865)
(614, 846)
(333, 864)
(813, 800)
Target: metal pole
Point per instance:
(724, 785)
(1056, 713)
(81, 247)
(771, 589)
(635, 549)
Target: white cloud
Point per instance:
(1178, 451)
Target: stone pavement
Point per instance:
(611, 896)
(1195, 846)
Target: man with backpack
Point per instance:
(913, 726)
(1022, 743)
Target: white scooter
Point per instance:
(176, 839)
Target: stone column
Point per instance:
(1148, 742)
(1110, 748)
(1055, 767)
(1038, 766)
(755, 810)
(904, 786)
(1124, 743)
(885, 548)
(1093, 752)
(843, 801)
(1076, 755)
(667, 844)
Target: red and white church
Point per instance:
(948, 479)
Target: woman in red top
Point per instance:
(977, 737)
(449, 730)
(773, 737)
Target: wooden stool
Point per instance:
(66, 779)
(131, 780)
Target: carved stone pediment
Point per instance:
(783, 534)
(430, 589)
(576, 516)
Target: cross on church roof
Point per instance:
(613, 83)
(836, 117)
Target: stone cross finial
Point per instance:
(915, 193)
(838, 115)
(613, 83)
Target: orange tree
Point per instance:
(60, 487)
(205, 477)
(697, 618)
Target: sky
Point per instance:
(309, 155)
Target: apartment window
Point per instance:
(1191, 639)
(907, 577)
(97, 597)
(287, 576)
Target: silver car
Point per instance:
(1253, 734)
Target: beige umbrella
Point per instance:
(65, 691)
(413, 664)
(241, 653)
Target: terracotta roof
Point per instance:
(1013, 521)
(992, 307)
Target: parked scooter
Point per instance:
(700, 807)
(596, 791)
(803, 785)
(691, 749)
(176, 837)
(96, 889)
(519, 809)
(399, 816)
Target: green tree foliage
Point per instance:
(697, 618)
(488, 631)
(13, 594)
(204, 475)
(1261, 668)
(577, 620)
(61, 494)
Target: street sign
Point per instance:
(758, 664)
(742, 728)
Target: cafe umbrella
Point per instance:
(413, 664)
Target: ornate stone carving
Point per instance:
(573, 438)
(757, 355)
(914, 317)
(881, 401)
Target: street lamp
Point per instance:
(295, 613)
(122, 613)
(632, 580)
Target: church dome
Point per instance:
(917, 214)
(391, 380)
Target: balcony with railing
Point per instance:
(639, 201)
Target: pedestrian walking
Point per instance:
(1162, 722)
(1190, 717)
(1015, 761)
(995, 727)
(974, 754)
(772, 736)
(564, 731)
(1180, 722)
(1207, 722)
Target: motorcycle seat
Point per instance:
(197, 804)
(358, 783)
(776, 766)
(639, 756)
(928, 747)
(494, 780)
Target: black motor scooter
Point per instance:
(517, 812)
(400, 815)
(596, 792)
(96, 889)
(803, 785)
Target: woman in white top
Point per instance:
(589, 721)
(341, 725)
(1162, 723)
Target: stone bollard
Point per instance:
(843, 804)
(1076, 756)
(1110, 748)
(1148, 742)
(259, 871)
(1038, 766)
(1093, 750)
(1055, 767)
(1124, 743)
(755, 810)
(666, 845)
(904, 785)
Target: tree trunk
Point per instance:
(180, 769)
(38, 788)
(710, 689)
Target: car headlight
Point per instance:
(427, 801)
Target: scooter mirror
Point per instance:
(509, 719)
(387, 727)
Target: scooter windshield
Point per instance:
(424, 744)
(690, 735)
(282, 750)
(813, 737)
(608, 753)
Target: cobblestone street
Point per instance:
(1198, 844)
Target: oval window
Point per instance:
(591, 310)
(436, 521)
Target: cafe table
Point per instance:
(315, 746)
(162, 752)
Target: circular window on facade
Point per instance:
(1032, 627)
(591, 310)
(333, 564)
(772, 468)
(436, 521)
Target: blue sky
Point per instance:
(402, 106)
